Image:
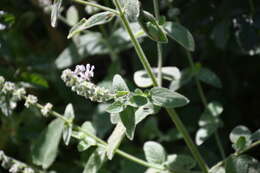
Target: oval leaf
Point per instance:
(44, 150)
(167, 98)
(209, 77)
(67, 131)
(128, 119)
(180, 34)
(154, 152)
(119, 84)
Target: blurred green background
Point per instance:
(32, 53)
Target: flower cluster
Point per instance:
(46, 109)
(30, 100)
(79, 81)
(10, 94)
(13, 165)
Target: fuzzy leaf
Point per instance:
(132, 9)
(72, 15)
(154, 152)
(237, 133)
(180, 34)
(207, 76)
(119, 84)
(115, 107)
(67, 130)
(180, 162)
(95, 161)
(115, 140)
(142, 112)
(97, 19)
(128, 119)
(55, 12)
(167, 98)
(44, 150)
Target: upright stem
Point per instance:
(174, 116)
(205, 103)
(159, 46)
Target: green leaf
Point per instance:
(128, 119)
(240, 144)
(84, 46)
(132, 9)
(154, 152)
(97, 19)
(67, 130)
(119, 83)
(137, 100)
(180, 34)
(167, 98)
(142, 80)
(115, 140)
(115, 107)
(180, 162)
(44, 150)
(209, 122)
(151, 27)
(238, 132)
(207, 76)
(35, 79)
(55, 12)
(256, 135)
(72, 15)
(242, 164)
(142, 112)
(95, 161)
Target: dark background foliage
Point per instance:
(227, 36)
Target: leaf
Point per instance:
(151, 27)
(137, 101)
(180, 162)
(72, 15)
(207, 76)
(96, 19)
(240, 144)
(142, 112)
(167, 98)
(84, 46)
(35, 79)
(82, 146)
(142, 80)
(209, 122)
(115, 140)
(115, 107)
(44, 150)
(132, 9)
(55, 12)
(88, 127)
(128, 119)
(180, 34)
(154, 152)
(237, 133)
(119, 83)
(242, 164)
(67, 130)
(256, 135)
(95, 161)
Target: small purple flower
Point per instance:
(84, 73)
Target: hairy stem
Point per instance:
(159, 46)
(97, 6)
(174, 116)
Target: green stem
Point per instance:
(136, 44)
(174, 116)
(97, 6)
(101, 142)
(205, 103)
(159, 46)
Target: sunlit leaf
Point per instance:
(55, 12)
(44, 150)
(154, 152)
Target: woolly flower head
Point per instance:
(79, 81)
(30, 100)
(46, 109)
